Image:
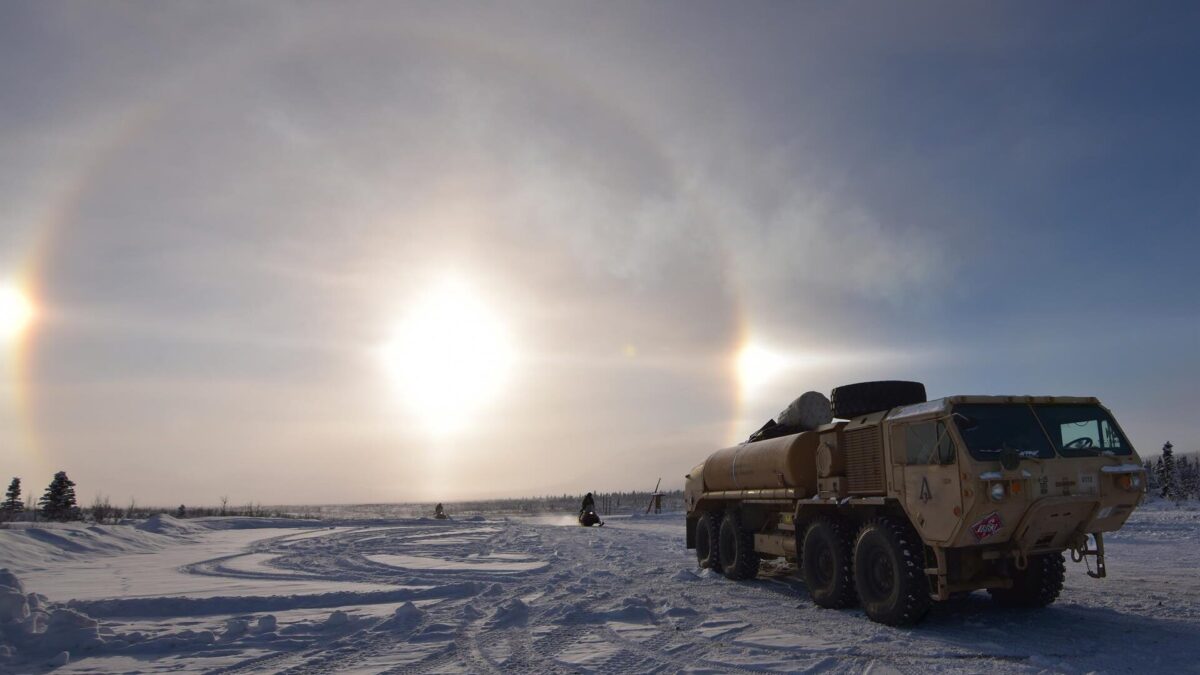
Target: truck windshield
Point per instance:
(1082, 430)
(990, 429)
(1074, 430)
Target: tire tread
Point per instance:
(745, 563)
(1038, 585)
(852, 400)
(844, 594)
(711, 523)
(914, 601)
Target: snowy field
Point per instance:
(540, 595)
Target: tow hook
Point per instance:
(1079, 554)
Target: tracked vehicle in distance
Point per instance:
(904, 502)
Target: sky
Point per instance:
(305, 252)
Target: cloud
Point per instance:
(257, 196)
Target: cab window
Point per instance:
(928, 443)
(1081, 430)
(989, 429)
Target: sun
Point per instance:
(757, 365)
(16, 312)
(450, 355)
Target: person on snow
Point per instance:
(589, 503)
(438, 511)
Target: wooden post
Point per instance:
(655, 497)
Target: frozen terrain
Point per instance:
(540, 595)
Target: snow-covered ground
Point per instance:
(542, 595)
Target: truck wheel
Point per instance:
(825, 563)
(1037, 585)
(738, 558)
(707, 536)
(852, 400)
(889, 573)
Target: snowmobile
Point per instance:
(440, 513)
(588, 518)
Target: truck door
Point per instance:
(929, 470)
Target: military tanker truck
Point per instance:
(903, 501)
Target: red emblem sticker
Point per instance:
(987, 526)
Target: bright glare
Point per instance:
(756, 366)
(450, 355)
(16, 312)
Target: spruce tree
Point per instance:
(12, 498)
(1166, 475)
(59, 501)
(1189, 477)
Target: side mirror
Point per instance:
(964, 422)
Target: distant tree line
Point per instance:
(60, 503)
(103, 511)
(1173, 477)
(607, 503)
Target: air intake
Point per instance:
(864, 461)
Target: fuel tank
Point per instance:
(784, 462)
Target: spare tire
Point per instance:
(852, 400)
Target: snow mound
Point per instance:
(337, 619)
(235, 628)
(162, 523)
(406, 616)
(31, 626)
(68, 630)
(469, 612)
(14, 605)
(512, 613)
(266, 624)
(408, 613)
(437, 632)
(680, 612)
(10, 580)
(630, 611)
(38, 545)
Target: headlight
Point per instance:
(1130, 481)
(997, 491)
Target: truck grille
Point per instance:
(864, 461)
